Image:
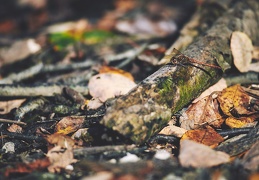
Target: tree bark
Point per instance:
(148, 107)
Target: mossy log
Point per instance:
(148, 107)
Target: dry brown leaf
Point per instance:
(14, 128)
(241, 122)
(193, 154)
(69, 124)
(206, 136)
(109, 85)
(7, 106)
(242, 48)
(202, 112)
(60, 158)
(251, 158)
(234, 100)
(61, 155)
(61, 140)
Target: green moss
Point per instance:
(189, 90)
(165, 90)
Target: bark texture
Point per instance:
(148, 107)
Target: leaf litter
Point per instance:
(199, 124)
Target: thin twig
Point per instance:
(9, 90)
(101, 149)
(12, 121)
(30, 72)
(129, 59)
(41, 68)
(23, 137)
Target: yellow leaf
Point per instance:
(234, 101)
(233, 122)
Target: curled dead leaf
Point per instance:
(205, 111)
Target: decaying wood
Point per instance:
(148, 107)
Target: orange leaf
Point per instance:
(206, 136)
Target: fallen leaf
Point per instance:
(206, 136)
(109, 85)
(61, 155)
(234, 101)
(241, 122)
(193, 154)
(15, 128)
(7, 106)
(242, 48)
(108, 69)
(60, 158)
(251, 158)
(173, 130)
(69, 124)
(19, 51)
(202, 112)
(61, 140)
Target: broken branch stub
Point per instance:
(147, 108)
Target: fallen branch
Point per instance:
(148, 107)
